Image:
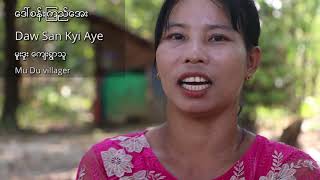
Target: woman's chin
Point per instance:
(192, 106)
(197, 111)
(195, 108)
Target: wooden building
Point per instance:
(126, 88)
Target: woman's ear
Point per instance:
(253, 62)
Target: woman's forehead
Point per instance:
(200, 12)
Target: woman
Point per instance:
(205, 51)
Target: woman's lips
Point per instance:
(194, 84)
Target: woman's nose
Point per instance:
(195, 53)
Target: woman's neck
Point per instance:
(208, 134)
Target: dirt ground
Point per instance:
(55, 156)
(49, 156)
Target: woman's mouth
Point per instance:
(194, 84)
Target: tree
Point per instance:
(11, 87)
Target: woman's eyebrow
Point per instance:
(174, 24)
(207, 26)
(219, 26)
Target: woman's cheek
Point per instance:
(165, 61)
(164, 68)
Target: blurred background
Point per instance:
(47, 123)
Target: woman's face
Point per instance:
(201, 60)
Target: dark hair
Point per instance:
(243, 15)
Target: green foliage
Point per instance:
(60, 102)
(310, 107)
(272, 117)
(289, 69)
(141, 16)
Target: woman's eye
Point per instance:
(176, 36)
(218, 38)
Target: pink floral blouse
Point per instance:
(130, 157)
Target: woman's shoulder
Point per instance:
(113, 156)
(131, 142)
(277, 158)
(267, 147)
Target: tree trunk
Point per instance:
(291, 133)
(11, 80)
